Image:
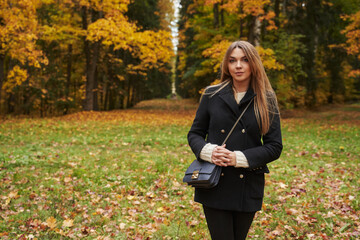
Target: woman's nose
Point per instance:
(238, 64)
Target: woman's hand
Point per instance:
(223, 157)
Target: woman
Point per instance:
(230, 206)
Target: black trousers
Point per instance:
(228, 225)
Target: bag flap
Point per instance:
(201, 166)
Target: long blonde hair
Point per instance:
(265, 100)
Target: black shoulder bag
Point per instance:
(204, 174)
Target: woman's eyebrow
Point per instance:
(240, 57)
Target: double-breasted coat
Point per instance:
(239, 189)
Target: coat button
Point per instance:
(222, 174)
(241, 176)
(243, 131)
(222, 131)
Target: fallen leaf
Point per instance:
(13, 194)
(122, 226)
(51, 222)
(68, 223)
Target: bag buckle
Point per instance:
(195, 175)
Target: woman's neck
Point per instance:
(240, 87)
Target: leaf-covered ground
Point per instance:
(118, 175)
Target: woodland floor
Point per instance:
(118, 175)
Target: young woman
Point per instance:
(230, 206)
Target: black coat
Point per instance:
(239, 189)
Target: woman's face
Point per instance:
(239, 69)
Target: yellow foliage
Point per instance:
(217, 51)
(268, 59)
(354, 73)
(15, 77)
(352, 33)
(114, 30)
(154, 49)
(322, 92)
(269, 18)
(215, 82)
(18, 33)
(249, 7)
(106, 5)
(288, 94)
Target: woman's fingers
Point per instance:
(222, 153)
(220, 163)
(221, 156)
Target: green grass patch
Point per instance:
(118, 175)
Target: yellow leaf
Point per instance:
(68, 223)
(51, 222)
(13, 194)
(122, 226)
(67, 179)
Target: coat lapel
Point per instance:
(227, 95)
(248, 96)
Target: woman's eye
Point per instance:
(246, 60)
(232, 60)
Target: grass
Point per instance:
(118, 175)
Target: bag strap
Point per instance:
(232, 129)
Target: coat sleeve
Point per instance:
(199, 129)
(271, 148)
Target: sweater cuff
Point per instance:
(241, 160)
(206, 152)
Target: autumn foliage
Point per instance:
(352, 32)
(61, 55)
(295, 39)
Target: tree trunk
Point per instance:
(11, 103)
(2, 77)
(92, 51)
(277, 12)
(241, 27)
(130, 93)
(106, 96)
(222, 20)
(312, 42)
(87, 103)
(68, 78)
(254, 31)
(216, 15)
(95, 89)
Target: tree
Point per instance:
(298, 40)
(352, 33)
(18, 52)
(96, 54)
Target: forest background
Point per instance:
(117, 174)
(65, 56)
